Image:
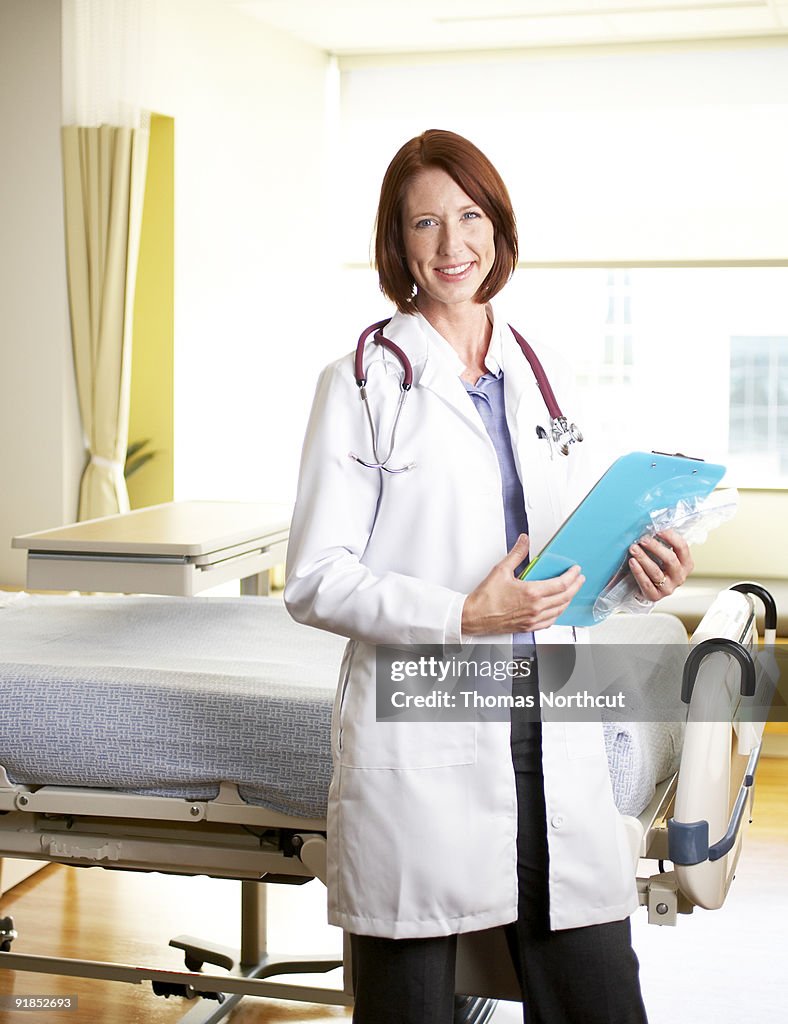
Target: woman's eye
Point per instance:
(471, 215)
(425, 222)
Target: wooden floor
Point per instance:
(725, 967)
(129, 918)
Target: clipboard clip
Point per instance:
(679, 455)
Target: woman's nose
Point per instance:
(450, 241)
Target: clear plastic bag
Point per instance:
(694, 519)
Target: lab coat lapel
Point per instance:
(520, 388)
(448, 387)
(435, 369)
(525, 411)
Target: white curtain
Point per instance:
(105, 144)
(104, 174)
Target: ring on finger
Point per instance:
(659, 584)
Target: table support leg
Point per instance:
(258, 585)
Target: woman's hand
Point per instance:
(657, 579)
(503, 604)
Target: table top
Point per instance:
(184, 528)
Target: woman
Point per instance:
(435, 829)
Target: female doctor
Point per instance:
(414, 536)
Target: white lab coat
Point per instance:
(422, 816)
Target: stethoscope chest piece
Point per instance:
(563, 433)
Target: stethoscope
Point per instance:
(562, 433)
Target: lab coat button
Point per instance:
(557, 820)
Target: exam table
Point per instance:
(145, 676)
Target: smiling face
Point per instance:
(449, 241)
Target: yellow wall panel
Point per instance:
(151, 414)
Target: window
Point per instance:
(625, 155)
(606, 180)
(759, 402)
(672, 359)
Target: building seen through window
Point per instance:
(759, 399)
(693, 359)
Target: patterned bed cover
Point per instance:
(170, 696)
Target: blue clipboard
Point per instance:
(613, 514)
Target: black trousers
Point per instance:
(575, 976)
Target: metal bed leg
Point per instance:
(254, 923)
(254, 937)
(252, 961)
(254, 942)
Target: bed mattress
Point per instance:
(172, 696)
(168, 696)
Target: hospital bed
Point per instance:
(216, 713)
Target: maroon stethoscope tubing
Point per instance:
(541, 377)
(380, 339)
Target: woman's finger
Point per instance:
(647, 561)
(653, 583)
(545, 610)
(658, 551)
(680, 548)
(517, 555)
(668, 551)
(555, 586)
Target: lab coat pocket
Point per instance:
(364, 742)
(339, 700)
(409, 745)
(584, 739)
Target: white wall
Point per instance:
(251, 266)
(40, 440)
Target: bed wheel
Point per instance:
(473, 1009)
(7, 934)
(167, 989)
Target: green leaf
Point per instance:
(136, 457)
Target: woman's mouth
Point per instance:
(456, 272)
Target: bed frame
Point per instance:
(223, 838)
(227, 838)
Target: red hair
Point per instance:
(478, 179)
